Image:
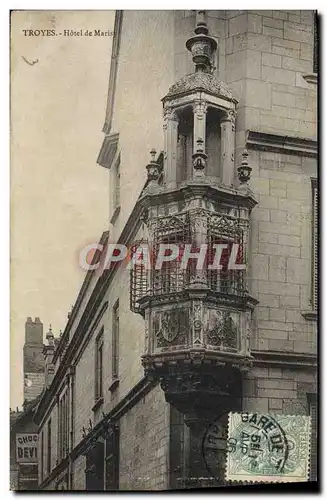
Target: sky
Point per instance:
(59, 194)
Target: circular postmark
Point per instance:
(214, 447)
(252, 443)
(257, 445)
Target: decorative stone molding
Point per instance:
(310, 315)
(281, 144)
(108, 150)
(197, 82)
(311, 78)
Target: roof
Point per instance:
(27, 412)
(201, 81)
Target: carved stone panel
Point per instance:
(222, 329)
(170, 327)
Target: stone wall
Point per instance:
(144, 444)
(278, 390)
(280, 273)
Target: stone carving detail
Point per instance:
(229, 116)
(201, 81)
(197, 323)
(169, 114)
(200, 108)
(221, 330)
(170, 327)
(167, 225)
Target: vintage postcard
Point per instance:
(164, 249)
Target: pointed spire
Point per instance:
(201, 25)
(202, 46)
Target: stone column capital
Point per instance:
(229, 116)
(170, 114)
(200, 108)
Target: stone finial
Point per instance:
(50, 336)
(202, 46)
(244, 170)
(201, 25)
(153, 168)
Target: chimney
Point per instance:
(33, 331)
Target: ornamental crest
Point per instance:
(171, 327)
(222, 330)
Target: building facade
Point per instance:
(23, 430)
(226, 101)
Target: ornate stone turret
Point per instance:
(201, 102)
(198, 318)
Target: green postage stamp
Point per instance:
(268, 448)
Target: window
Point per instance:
(115, 341)
(99, 367)
(315, 245)
(112, 460)
(63, 426)
(94, 471)
(49, 447)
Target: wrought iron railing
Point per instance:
(171, 277)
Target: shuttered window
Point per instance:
(94, 471)
(315, 245)
(112, 460)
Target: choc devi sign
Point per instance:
(26, 448)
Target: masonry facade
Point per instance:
(147, 360)
(23, 430)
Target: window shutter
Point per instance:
(315, 248)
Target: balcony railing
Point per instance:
(174, 276)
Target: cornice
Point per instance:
(281, 144)
(113, 71)
(284, 359)
(219, 193)
(65, 336)
(311, 78)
